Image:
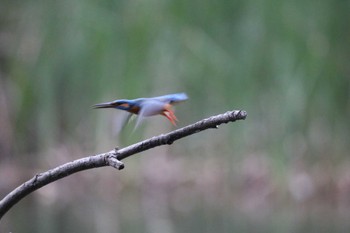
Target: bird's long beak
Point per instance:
(103, 105)
(113, 104)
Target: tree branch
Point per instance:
(112, 158)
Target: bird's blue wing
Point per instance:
(172, 98)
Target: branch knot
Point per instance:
(112, 160)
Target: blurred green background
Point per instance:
(286, 168)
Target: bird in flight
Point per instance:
(144, 107)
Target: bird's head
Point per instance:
(126, 105)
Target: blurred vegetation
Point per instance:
(285, 169)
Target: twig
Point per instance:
(112, 158)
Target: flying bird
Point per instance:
(144, 107)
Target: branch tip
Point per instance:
(242, 114)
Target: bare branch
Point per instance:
(112, 158)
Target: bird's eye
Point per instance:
(125, 105)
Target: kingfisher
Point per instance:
(144, 107)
